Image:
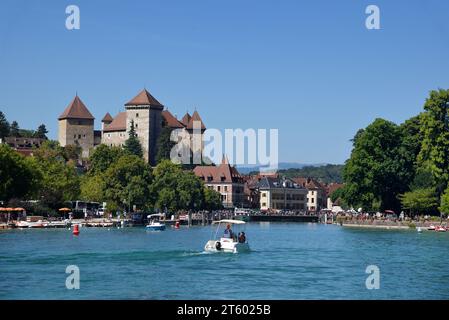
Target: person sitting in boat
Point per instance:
(228, 232)
(242, 237)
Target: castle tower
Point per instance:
(76, 126)
(107, 120)
(195, 120)
(145, 111)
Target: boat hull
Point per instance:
(155, 228)
(226, 246)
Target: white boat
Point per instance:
(22, 224)
(228, 242)
(155, 224)
(37, 224)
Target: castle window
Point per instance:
(79, 136)
(137, 115)
(137, 125)
(74, 136)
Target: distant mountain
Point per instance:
(281, 166)
(326, 173)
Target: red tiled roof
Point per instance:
(331, 188)
(224, 170)
(195, 117)
(118, 124)
(185, 120)
(172, 122)
(308, 183)
(76, 110)
(144, 98)
(107, 118)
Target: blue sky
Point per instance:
(309, 68)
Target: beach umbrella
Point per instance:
(64, 211)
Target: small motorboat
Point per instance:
(440, 229)
(228, 242)
(155, 223)
(419, 229)
(37, 224)
(431, 227)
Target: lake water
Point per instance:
(287, 261)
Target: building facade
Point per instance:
(281, 194)
(226, 180)
(316, 193)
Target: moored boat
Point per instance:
(154, 222)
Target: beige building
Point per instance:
(76, 125)
(316, 193)
(226, 180)
(281, 194)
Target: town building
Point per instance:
(251, 191)
(22, 145)
(281, 194)
(226, 180)
(316, 193)
(76, 125)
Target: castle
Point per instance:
(76, 125)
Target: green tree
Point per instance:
(175, 189)
(41, 132)
(378, 169)
(60, 181)
(132, 145)
(14, 130)
(103, 157)
(127, 182)
(420, 201)
(17, 176)
(72, 152)
(93, 188)
(164, 145)
(212, 200)
(434, 152)
(444, 204)
(4, 126)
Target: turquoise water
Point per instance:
(288, 261)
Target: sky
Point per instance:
(310, 69)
